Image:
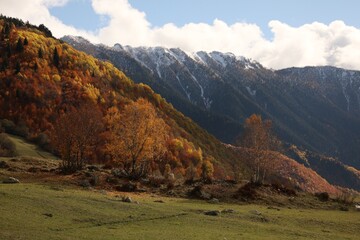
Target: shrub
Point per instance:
(322, 196)
(43, 141)
(10, 127)
(94, 180)
(7, 147)
(346, 197)
(7, 125)
(248, 191)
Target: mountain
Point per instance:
(41, 77)
(315, 108)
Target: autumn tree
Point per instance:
(259, 140)
(75, 135)
(185, 158)
(138, 137)
(207, 170)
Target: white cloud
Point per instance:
(311, 44)
(37, 12)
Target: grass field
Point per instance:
(33, 211)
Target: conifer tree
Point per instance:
(40, 53)
(56, 57)
(8, 50)
(17, 67)
(36, 67)
(4, 64)
(7, 30)
(19, 45)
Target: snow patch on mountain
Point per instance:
(219, 58)
(251, 92)
(76, 39)
(117, 47)
(207, 102)
(344, 81)
(184, 89)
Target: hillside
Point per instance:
(222, 126)
(315, 108)
(44, 78)
(37, 87)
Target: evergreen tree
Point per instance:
(17, 67)
(8, 50)
(19, 45)
(4, 64)
(45, 30)
(36, 67)
(7, 30)
(56, 58)
(26, 42)
(40, 53)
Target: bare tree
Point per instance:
(259, 140)
(75, 135)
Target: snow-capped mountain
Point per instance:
(314, 107)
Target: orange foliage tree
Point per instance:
(75, 134)
(185, 158)
(137, 137)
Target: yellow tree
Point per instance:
(137, 137)
(259, 140)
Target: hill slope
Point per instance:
(42, 78)
(315, 108)
(36, 87)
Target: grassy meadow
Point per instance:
(34, 211)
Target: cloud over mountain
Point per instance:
(311, 44)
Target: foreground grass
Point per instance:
(32, 211)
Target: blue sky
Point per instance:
(276, 33)
(261, 12)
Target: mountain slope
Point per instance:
(223, 127)
(41, 77)
(316, 108)
(308, 106)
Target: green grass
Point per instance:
(27, 149)
(81, 214)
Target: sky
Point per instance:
(277, 33)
